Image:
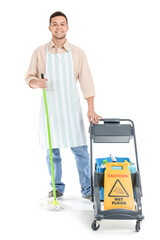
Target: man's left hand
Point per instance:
(93, 116)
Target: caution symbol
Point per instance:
(118, 190)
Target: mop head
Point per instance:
(51, 205)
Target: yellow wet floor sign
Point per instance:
(118, 192)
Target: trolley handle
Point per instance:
(110, 120)
(116, 120)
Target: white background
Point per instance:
(122, 42)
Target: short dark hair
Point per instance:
(58, 13)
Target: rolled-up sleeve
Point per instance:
(32, 72)
(37, 64)
(85, 77)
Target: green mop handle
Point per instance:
(49, 140)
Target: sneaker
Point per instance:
(87, 197)
(58, 194)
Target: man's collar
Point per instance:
(65, 45)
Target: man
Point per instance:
(63, 64)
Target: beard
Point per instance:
(62, 37)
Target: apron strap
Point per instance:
(69, 47)
(47, 52)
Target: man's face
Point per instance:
(58, 27)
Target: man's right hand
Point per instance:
(40, 83)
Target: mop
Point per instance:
(51, 204)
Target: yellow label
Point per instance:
(118, 192)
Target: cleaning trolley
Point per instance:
(116, 185)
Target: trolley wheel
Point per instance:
(138, 226)
(94, 225)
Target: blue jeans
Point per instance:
(83, 166)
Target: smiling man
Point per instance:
(63, 65)
(58, 27)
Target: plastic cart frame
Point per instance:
(114, 131)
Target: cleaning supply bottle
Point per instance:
(113, 158)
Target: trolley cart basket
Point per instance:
(114, 131)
